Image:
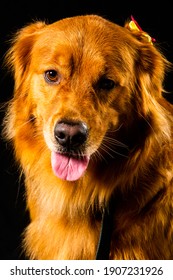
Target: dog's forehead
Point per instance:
(81, 38)
(84, 31)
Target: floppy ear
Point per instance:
(150, 70)
(18, 59)
(151, 66)
(18, 56)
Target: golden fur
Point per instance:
(110, 78)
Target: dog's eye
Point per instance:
(106, 84)
(52, 76)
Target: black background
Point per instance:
(156, 20)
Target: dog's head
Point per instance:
(79, 84)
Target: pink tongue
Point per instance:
(68, 168)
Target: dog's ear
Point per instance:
(17, 59)
(151, 66)
(18, 56)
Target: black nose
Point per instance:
(70, 135)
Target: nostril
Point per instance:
(70, 134)
(61, 134)
(78, 138)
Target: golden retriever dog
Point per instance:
(89, 123)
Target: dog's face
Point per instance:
(78, 82)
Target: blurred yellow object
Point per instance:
(133, 25)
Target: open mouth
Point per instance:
(67, 166)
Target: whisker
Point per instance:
(111, 140)
(102, 147)
(25, 123)
(100, 156)
(116, 129)
(97, 157)
(105, 148)
(109, 145)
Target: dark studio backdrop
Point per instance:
(156, 20)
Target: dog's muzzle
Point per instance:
(69, 161)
